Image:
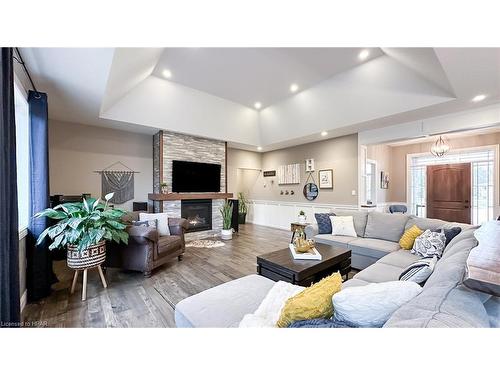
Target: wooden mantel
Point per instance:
(184, 196)
(483, 264)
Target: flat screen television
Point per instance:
(191, 177)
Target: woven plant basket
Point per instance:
(90, 257)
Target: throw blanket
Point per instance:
(321, 323)
(268, 313)
(120, 183)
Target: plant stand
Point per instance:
(84, 286)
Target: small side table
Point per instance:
(295, 226)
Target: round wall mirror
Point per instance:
(310, 191)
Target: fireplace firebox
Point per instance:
(198, 213)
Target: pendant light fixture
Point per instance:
(440, 148)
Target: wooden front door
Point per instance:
(449, 192)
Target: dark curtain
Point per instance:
(39, 275)
(10, 313)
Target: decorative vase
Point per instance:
(242, 216)
(90, 257)
(226, 234)
(164, 189)
(302, 219)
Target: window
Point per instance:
(371, 184)
(483, 176)
(22, 156)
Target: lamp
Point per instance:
(440, 148)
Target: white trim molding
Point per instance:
(279, 214)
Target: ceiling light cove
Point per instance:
(363, 55)
(478, 98)
(257, 105)
(166, 73)
(324, 133)
(294, 87)
(259, 148)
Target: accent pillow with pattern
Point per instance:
(429, 244)
(145, 223)
(324, 223)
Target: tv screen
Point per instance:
(191, 177)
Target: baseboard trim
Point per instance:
(24, 300)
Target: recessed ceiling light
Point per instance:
(363, 55)
(478, 98)
(324, 134)
(166, 73)
(294, 87)
(259, 148)
(258, 105)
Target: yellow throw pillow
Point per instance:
(313, 302)
(408, 238)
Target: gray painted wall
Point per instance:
(76, 150)
(339, 154)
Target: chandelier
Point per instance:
(440, 148)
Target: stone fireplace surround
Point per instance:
(169, 146)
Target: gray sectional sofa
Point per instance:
(444, 301)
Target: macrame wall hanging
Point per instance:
(120, 182)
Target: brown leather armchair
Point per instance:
(146, 250)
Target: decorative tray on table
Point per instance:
(304, 250)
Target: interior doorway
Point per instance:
(449, 192)
(483, 182)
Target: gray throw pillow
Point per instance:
(383, 226)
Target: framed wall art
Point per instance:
(325, 177)
(384, 180)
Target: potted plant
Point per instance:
(227, 214)
(83, 229)
(242, 208)
(302, 217)
(164, 188)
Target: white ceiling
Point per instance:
(212, 90)
(249, 75)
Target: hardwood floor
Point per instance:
(133, 301)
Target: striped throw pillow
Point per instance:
(420, 270)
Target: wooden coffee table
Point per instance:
(280, 265)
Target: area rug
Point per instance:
(205, 243)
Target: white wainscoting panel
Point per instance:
(277, 214)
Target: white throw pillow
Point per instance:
(343, 226)
(163, 229)
(373, 304)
